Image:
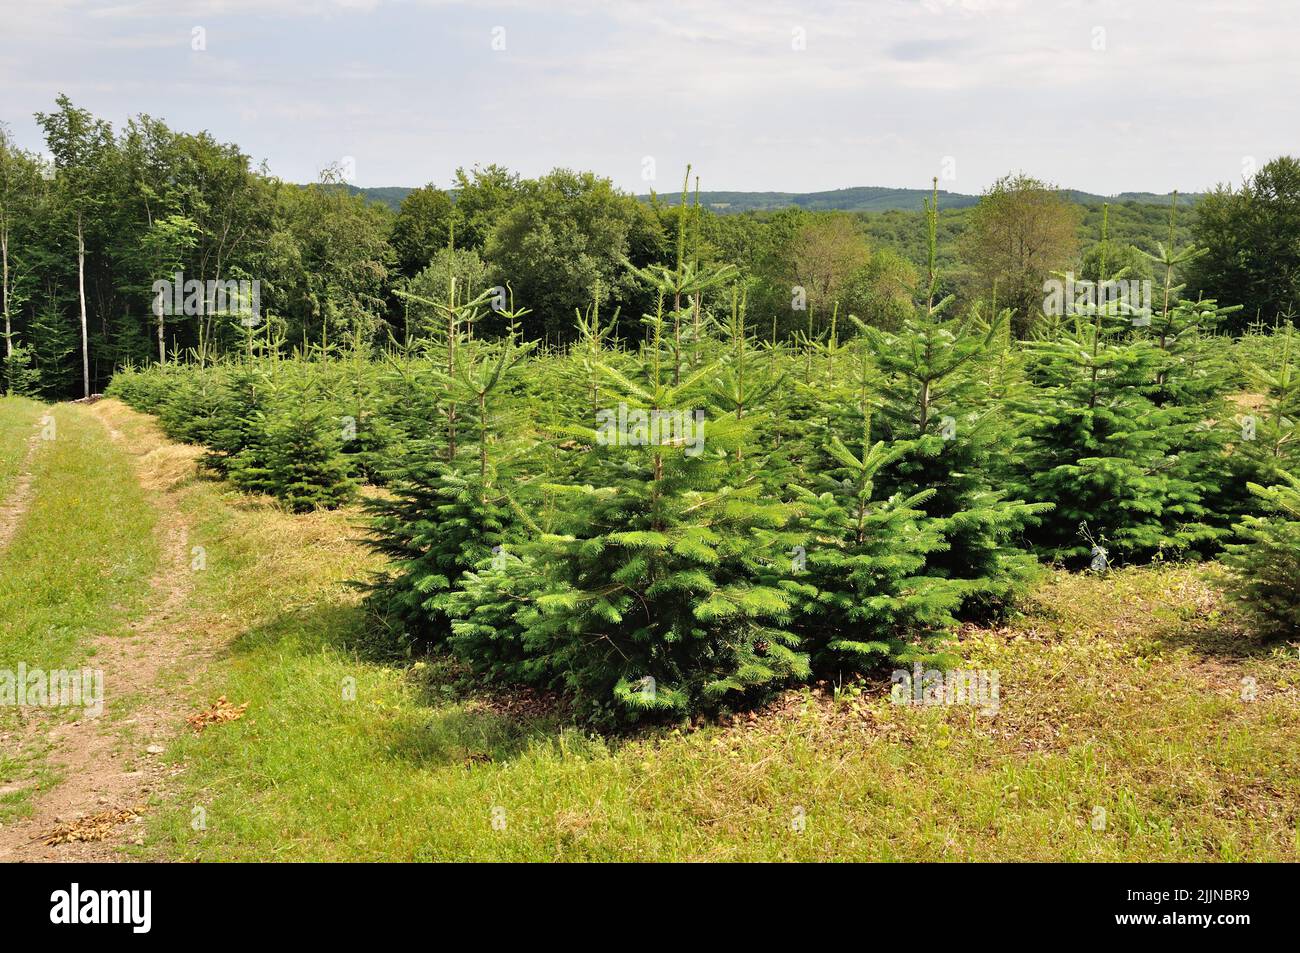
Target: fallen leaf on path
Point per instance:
(219, 711)
(94, 827)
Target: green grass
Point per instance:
(83, 554)
(77, 567)
(18, 417)
(1180, 774)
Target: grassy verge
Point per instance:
(77, 567)
(1134, 722)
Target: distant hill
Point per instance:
(390, 195)
(877, 199)
(1143, 198)
(867, 198)
(860, 199)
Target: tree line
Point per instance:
(90, 228)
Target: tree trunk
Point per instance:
(162, 342)
(4, 256)
(81, 292)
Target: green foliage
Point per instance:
(483, 194)
(1266, 563)
(18, 373)
(195, 408)
(565, 237)
(296, 454)
(663, 586)
(685, 516)
(939, 406)
(123, 207)
(448, 509)
(245, 402)
(423, 227)
(146, 391)
(439, 522)
(667, 572)
(1249, 235)
(449, 270)
(861, 572)
(1021, 229)
(1105, 452)
(272, 427)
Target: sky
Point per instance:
(1099, 95)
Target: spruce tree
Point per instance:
(18, 372)
(1199, 368)
(449, 511)
(243, 406)
(1267, 439)
(296, 455)
(369, 435)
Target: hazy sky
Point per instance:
(758, 94)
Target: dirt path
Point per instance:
(108, 766)
(15, 507)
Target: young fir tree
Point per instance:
(1199, 368)
(815, 404)
(241, 402)
(242, 409)
(1267, 441)
(745, 381)
(1266, 564)
(195, 407)
(663, 595)
(53, 341)
(685, 283)
(860, 571)
(937, 407)
(18, 372)
(1102, 449)
(449, 511)
(491, 609)
(1198, 375)
(297, 454)
(368, 435)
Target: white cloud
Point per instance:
(1178, 91)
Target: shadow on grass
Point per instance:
(329, 625)
(470, 734)
(1224, 638)
(453, 720)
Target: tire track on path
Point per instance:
(109, 765)
(15, 506)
